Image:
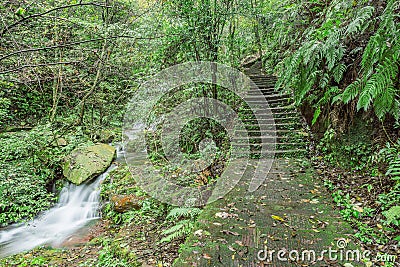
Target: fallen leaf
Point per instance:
(277, 218)
(358, 208)
(230, 232)
(231, 248)
(198, 232)
(240, 243)
(206, 256)
(225, 215)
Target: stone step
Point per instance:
(263, 100)
(269, 139)
(265, 84)
(278, 132)
(271, 96)
(270, 120)
(269, 146)
(268, 125)
(261, 111)
(265, 90)
(277, 152)
(258, 96)
(287, 107)
(263, 78)
(268, 115)
(284, 114)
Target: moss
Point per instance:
(86, 163)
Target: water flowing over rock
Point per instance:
(77, 207)
(84, 164)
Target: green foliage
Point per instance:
(389, 201)
(393, 157)
(5, 103)
(111, 255)
(178, 213)
(350, 151)
(378, 85)
(30, 164)
(365, 233)
(316, 70)
(393, 215)
(184, 226)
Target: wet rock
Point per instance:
(106, 136)
(124, 203)
(61, 142)
(84, 164)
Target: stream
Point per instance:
(77, 207)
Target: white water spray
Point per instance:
(77, 206)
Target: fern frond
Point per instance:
(181, 229)
(317, 112)
(361, 22)
(352, 91)
(394, 167)
(338, 72)
(175, 228)
(311, 53)
(380, 84)
(384, 102)
(177, 213)
(392, 214)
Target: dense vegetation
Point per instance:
(68, 68)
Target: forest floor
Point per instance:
(290, 220)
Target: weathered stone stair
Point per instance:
(290, 211)
(291, 139)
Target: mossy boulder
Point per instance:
(84, 164)
(124, 203)
(106, 136)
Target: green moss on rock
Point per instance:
(86, 163)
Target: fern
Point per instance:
(380, 84)
(392, 215)
(361, 22)
(323, 101)
(318, 64)
(391, 155)
(394, 167)
(379, 67)
(181, 229)
(338, 72)
(351, 91)
(184, 226)
(177, 213)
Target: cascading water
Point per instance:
(77, 206)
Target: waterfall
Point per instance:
(77, 206)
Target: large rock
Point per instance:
(86, 163)
(124, 203)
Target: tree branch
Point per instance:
(75, 43)
(7, 28)
(39, 65)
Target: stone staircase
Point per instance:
(289, 135)
(290, 211)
